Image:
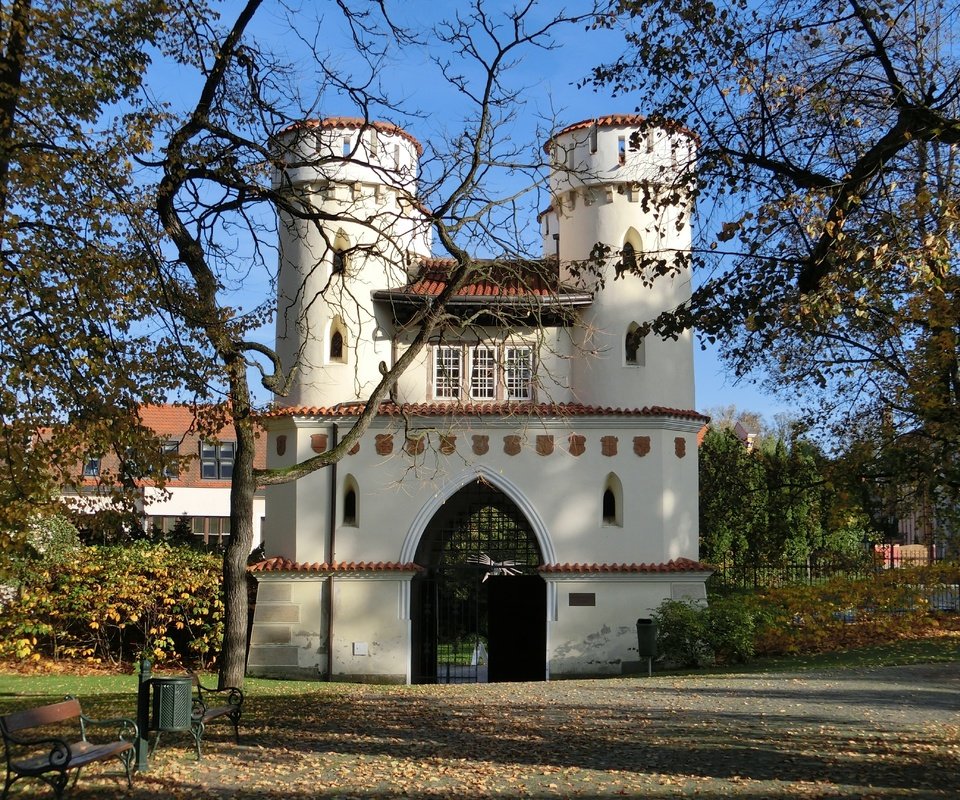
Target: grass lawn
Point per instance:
(844, 725)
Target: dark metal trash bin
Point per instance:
(647, 638)
(172, 704)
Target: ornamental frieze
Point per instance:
(448, 444)
(544, 445)
(578, 444)
(680, 446)
(384, 445)
(608, 445)
(511, 444)
(318, 442)
(481, 444)
(641, 445)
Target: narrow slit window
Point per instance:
(347, 146)
(350, 507)
(609, 507)
(622, 150)
(336, 346)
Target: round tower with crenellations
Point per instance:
(351, 225)
(618, 182)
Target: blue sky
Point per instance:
(547, 80)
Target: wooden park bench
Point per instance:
(39, 754)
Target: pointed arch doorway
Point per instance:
(479, 612)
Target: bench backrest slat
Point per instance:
(43, 715)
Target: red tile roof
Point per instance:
(619, 121)
(354, 123)
(676, 565)
(286, 565)
(503, 279)
(390, 409)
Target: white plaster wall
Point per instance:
(564, 491)
(601, 639)
(180, 501)
(371, 632)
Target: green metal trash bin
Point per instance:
(647, 638)
(172, 704)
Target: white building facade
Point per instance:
(531, 489)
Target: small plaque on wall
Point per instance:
(583, 599)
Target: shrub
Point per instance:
(682, 639)
(730, 626)
(114, 603)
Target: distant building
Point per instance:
(199, 491)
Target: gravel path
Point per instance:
(884, 733)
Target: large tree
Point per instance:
(75, 358)
(828, 191)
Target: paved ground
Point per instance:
(886, 733)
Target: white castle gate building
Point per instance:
(531, 488)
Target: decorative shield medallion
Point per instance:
(318, 442)
(578, 444)
(448, 444)
(384, 445)
(641, 445)
(680, 446)
(354, 450)
(481, 444)
(281, 444)
(608, 445)
(414, 445)
(544, 445)
(511, 445)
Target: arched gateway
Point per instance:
(480, 610)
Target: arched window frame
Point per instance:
(611, 502)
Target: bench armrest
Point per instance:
(234, 695)
(59, 754)
(127, 730)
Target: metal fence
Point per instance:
(741, 575)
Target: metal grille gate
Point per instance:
(479, 534)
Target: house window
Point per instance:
(347, 146)
(216, 460)
(622, 150)
(447, 372)
(518, 372)
(483, 373)
(339, 261)
(212, 529)
(91, 468)
(593, 139)
(374, 143)
(171, 466)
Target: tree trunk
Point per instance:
(233, 658)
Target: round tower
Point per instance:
(351, 225)
(619, 182)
